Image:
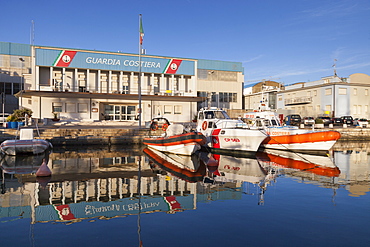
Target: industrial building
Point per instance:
(77, 84)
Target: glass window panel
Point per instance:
(108, 109)
(70, 107)
(131, 109)
(82, 107)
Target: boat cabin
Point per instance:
(212, 118)
(262, 119)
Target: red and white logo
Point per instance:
(64, 58)
(172, 66)
(173, 204)
(64, 212)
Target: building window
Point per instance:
(16, 87)
(8, 88)
(235, 97)
(125, 89)
(342, 91)
(214, 97)
(228, 97)
(355, 91)
(167, 109)
(315, 93)
(328, 91)
(366, 92)
(82, 108)
(70, 107)
(280, 98)
(177, 109)
(57, 107)
(366, 109)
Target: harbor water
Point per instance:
(118, 196)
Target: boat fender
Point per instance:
(164, 127)
(204, 125)
(154, 127)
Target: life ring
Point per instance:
(164, 127)
(204, 125)
(154, 127)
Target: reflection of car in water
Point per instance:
(159, 123)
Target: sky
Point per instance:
(281, 40)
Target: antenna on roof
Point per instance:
(334, 66)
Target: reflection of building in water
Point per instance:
(104, 187)
(352, 158)
(108, 185)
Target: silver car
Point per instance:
(308, 121)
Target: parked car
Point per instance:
(293, 119)
(347, 120)
(325, 120)
(361, 122)
(308, 121)
(336, 121)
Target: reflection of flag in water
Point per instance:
(173, 204)
(64, 212)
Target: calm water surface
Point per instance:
(122, 197)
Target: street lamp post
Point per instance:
(22, 82)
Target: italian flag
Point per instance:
(141, 30)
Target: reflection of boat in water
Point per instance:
(187, 167)
(319, 165)
(232, 168)
(22, 164)
(177, 141)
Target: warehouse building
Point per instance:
(92, 85)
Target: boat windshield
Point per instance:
(274, 122)
(216, 114)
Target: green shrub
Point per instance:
(319, 121)
(19, 115)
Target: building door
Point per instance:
(120, 112)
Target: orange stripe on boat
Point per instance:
(178, 171)
(303, 138)
(304, 166)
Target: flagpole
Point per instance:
(139, 78)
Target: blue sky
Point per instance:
(281, 40)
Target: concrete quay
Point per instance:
(129, 133)
(99, 133)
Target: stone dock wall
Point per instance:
(85, 136)
(113, 136)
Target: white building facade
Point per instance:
(99, 85)
(331, 96)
